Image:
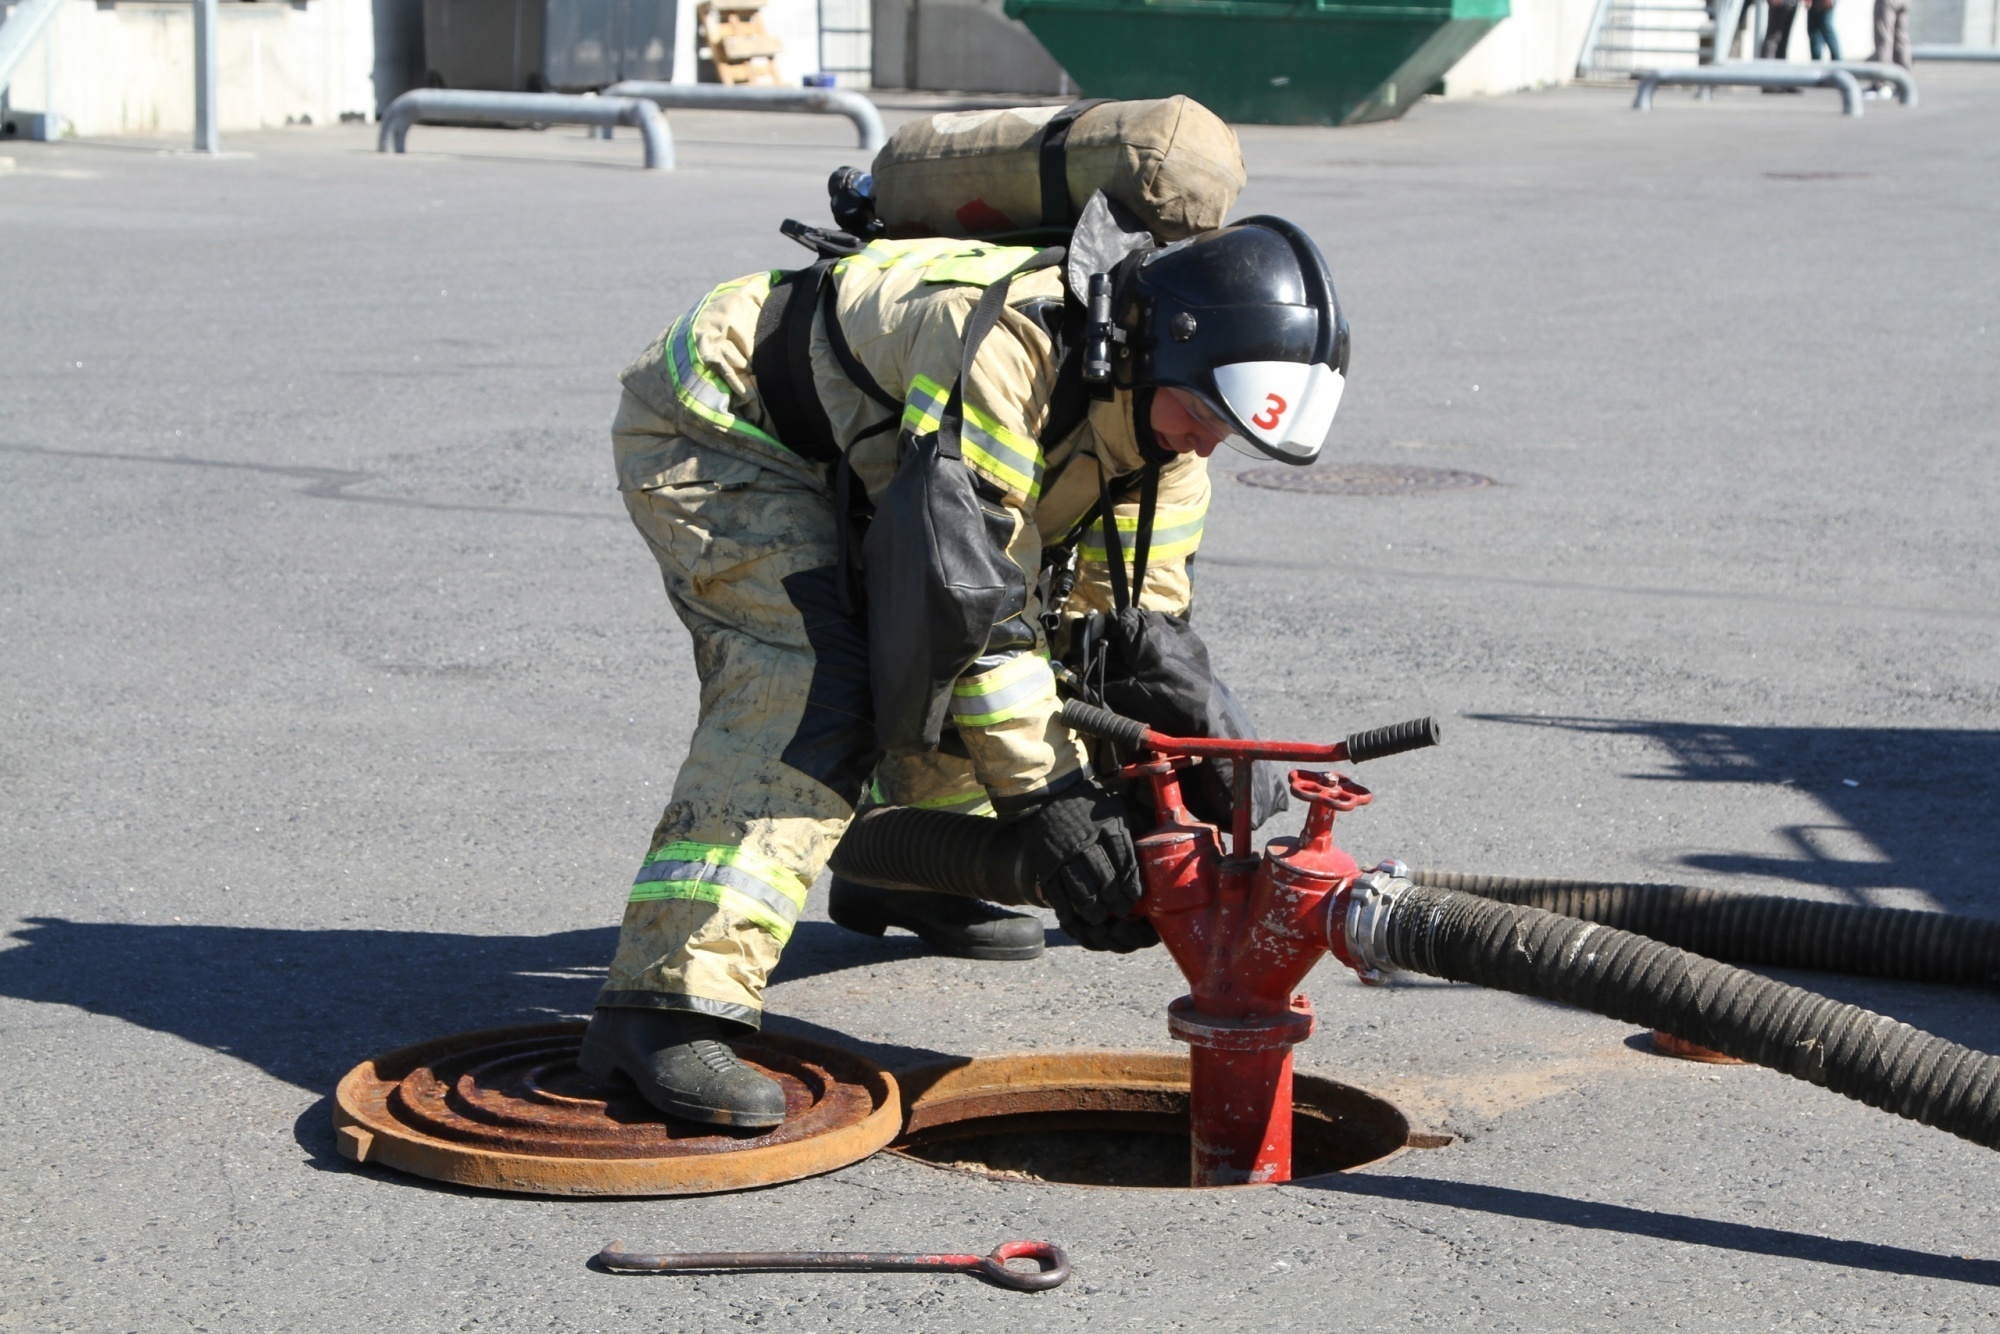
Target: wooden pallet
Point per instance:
(738, 46)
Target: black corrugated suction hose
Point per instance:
(1868, 1057)
(1762, 929)
(900, 847)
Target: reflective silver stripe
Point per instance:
(716, 873)
(982, 705)
(924, 406)
(1001, 459)
(680, 353)
(1175, 538)
(700, 392)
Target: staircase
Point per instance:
(1629, 35)
(20, 25)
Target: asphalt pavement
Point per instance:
(338, 700)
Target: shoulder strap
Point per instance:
(1114, 548)
(781, 361)
(1069, 404)
(850, 365)
(1125, 595)
(1142, 541)
(1057, 211)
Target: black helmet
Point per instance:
(1246, 317)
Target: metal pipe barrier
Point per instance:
(1950, 51)
(726, 97)
(1873, 71)
(1747, 75)
(434, 105)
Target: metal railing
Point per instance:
(730, 97)
(433, 105)
(1750, 75)
(1905, 83)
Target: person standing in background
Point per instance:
(1892, 36)
(1778, 34)
(1819, 31)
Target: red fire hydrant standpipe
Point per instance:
(1247, 928)
(1244, 928)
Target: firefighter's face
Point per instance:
(1184, 424)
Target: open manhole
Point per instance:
(508, 1109)
(1364, 479)
(1116, 1119)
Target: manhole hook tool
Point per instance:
(1052, 1272)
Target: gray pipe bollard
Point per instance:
(723, 97)
(455, 104)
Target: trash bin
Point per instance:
(538, 45)
(1307, 62)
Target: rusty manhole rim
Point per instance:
(953, 1079)
(1355, 478)
(365, 1132)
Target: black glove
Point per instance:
(1080, 850)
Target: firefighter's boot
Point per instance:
(681, 1065)
(961, 927)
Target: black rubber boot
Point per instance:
(680, 1064)
(961, 927)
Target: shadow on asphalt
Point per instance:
(1535, 1206)
(305, 1006)
(1922, 800)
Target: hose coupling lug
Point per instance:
(1370, 901)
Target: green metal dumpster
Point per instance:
(1278, 62)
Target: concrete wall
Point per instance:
(1540, 44)
(1534, 48)
(961, 46)
(1956, 22)
(129, 69)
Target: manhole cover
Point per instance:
(1363, 479)
(1116, 1119)
(507, 1109)
(1666, 1044)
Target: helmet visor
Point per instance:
(1281, 409)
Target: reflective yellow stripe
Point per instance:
(965, 803)
(753, 887)
(700, 390)
(944, 259)
(1012, 460)
(1176, 533)
(1003, 693)
(897, 254)
(979, 266)
(923, 409)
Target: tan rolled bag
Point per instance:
(1172, 162)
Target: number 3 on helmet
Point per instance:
(1246, 317)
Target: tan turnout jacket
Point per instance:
(903, 306)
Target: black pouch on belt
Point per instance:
(935, 565)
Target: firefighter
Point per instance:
(764, 449)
